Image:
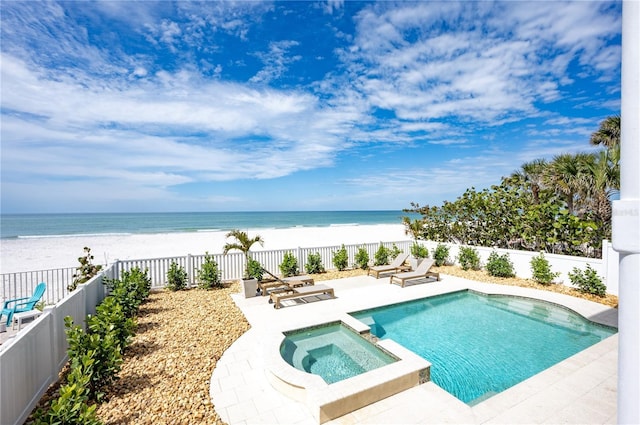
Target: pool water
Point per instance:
(481, 345)
(333, 352)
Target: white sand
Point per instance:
(19, 255)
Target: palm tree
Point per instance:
(567, 175)
(532, 175)
(608, 134)
(243, 243)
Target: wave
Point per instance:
(208, 230)
(73, 235)
(343, 224)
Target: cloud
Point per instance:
(276, 61)
(497, 64)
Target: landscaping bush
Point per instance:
(254, 269)
(469, 258)
(314, 263)
(588, 281)
(289, 265)
(541, 270)
(99, 357)
(441, 254)
(381, 257)
(362, 258)
(341, 258)
(419, 251)
(176, 277)
(209, 275)
(394, 251)
(109, 318)
(499, 265)
(130, 290)
(71, 405)
(85, 271)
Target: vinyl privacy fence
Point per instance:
(31, 361)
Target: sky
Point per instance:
(143, 106)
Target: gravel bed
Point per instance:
(181, 336)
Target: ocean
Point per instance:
(51, 225)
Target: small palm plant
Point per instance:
(243, 243)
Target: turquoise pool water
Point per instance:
(481, 345)
(332, 351)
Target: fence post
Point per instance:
(190, 270)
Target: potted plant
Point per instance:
(418, 253)
(244, 243)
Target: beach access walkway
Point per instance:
(580, 390)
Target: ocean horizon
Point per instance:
(15, 226)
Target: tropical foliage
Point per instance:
(242, 243)
(561, 206)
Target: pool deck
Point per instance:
(579, 390)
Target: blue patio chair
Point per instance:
(20, 305)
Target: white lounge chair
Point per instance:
(302, 292)
(397, 265)
(422, 271)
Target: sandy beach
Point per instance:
(18, 255)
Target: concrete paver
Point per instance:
(582, 389)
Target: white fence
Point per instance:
(31, 361)
(606, 267)
(16, 285)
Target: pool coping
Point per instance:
(352, 296)
(331, 401)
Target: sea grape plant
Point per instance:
(499, 265)
(541, 270)
(289, 265)
(176, 277)
(588, 281)
(362, 258)
(341, 258)
(314, 263)
(469, 258)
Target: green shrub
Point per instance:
(176, 277)
(419, 251)
(85, 271)
(289, 265)
(98, 355)
(254, 269)
(71, 405)
(314, 263)
(500, 265)
(394, 251)
(341, 258)
(381, 257)
(110, 317)
(541, 270)
(209, 275)
(441, 254)
(588, 281)
(130, 290)
(362, 258)
(469, 258)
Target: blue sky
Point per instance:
(247, 106)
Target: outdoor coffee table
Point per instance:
(18, 318)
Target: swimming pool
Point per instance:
(480, 345)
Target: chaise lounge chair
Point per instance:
(395, 266)
(302, 292)
(286, 282)
(422, 271)
(20, 305)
